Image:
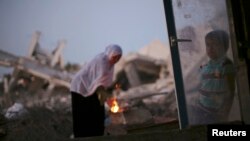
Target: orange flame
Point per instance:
(114, 105)
(115, 108)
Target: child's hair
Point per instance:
(220, 36)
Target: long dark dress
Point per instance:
(88, 115)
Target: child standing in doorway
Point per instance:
(217, 82)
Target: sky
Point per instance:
(88, 26)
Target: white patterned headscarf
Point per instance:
(97, 72)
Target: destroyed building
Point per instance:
(146, 93)
(40, 69)
(145, 78)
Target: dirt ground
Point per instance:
(47, 117)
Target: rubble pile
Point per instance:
(36, 104)
(43, 118)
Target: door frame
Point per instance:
(242, 81)
(178, 78)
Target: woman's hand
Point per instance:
(102, 95)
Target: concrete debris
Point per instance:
(40, 69)
(16, 111)
(146, 82)
(146, 93)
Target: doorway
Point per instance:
(201, 88)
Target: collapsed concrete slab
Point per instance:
(40, 69)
